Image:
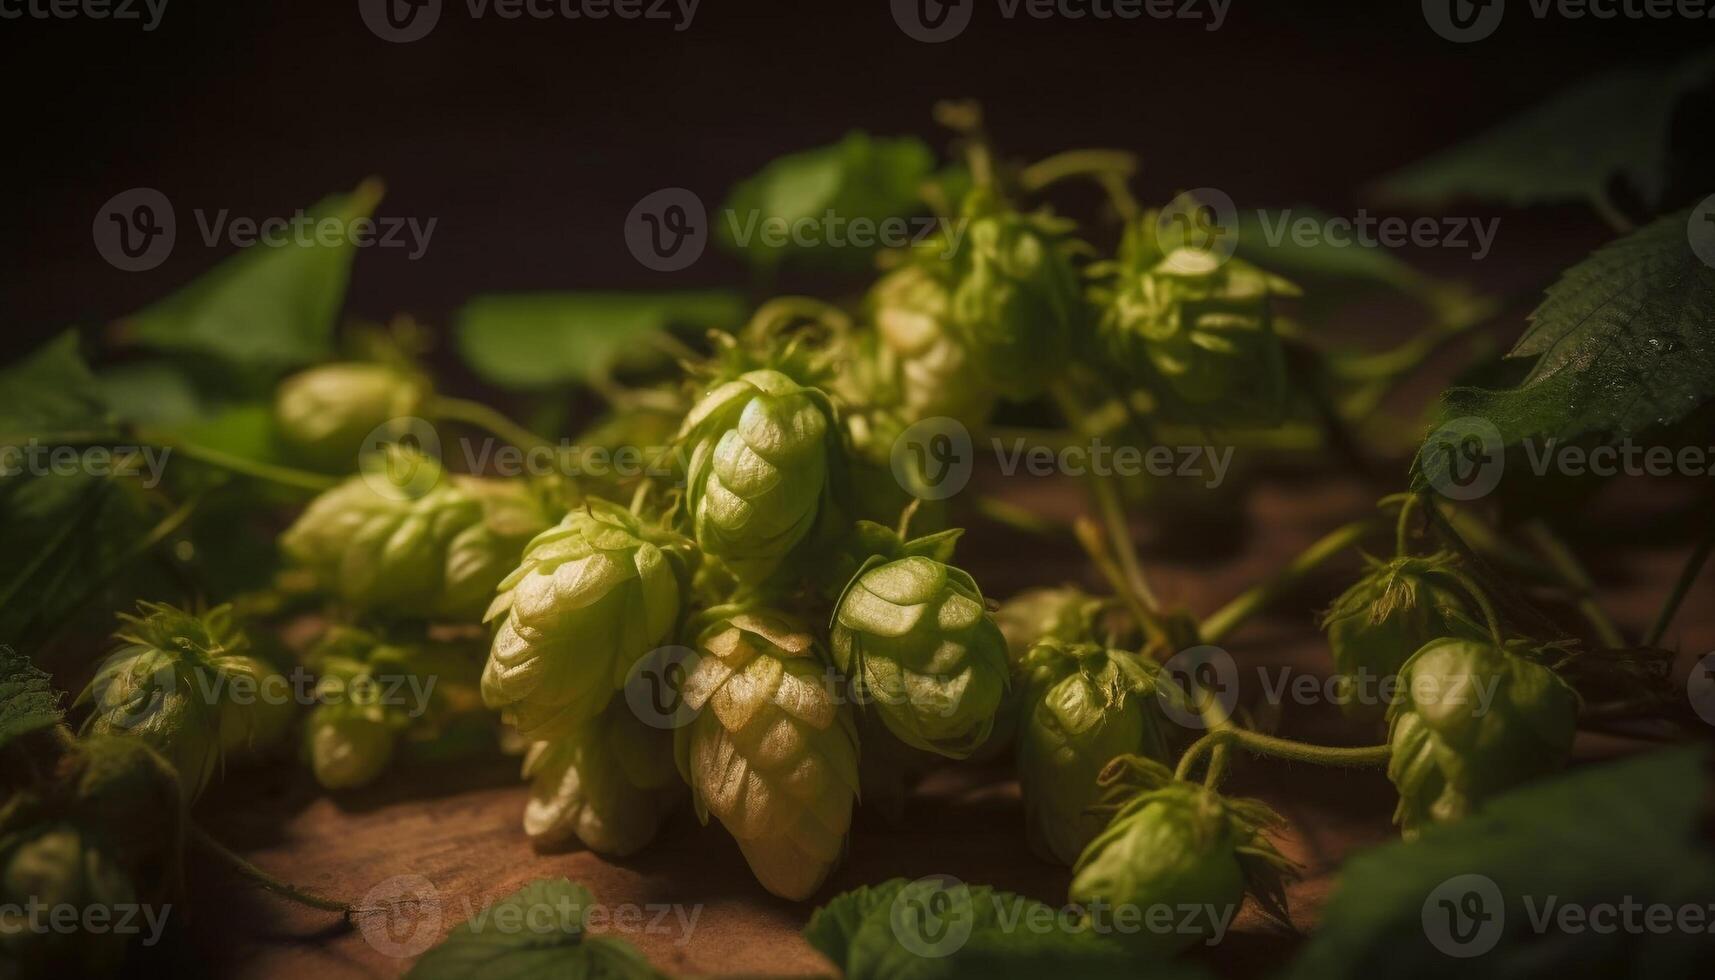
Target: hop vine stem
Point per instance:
(267, 881)
(1229, 617)
(1687, 575)
(487, 419)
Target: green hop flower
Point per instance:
(1397, 607)
(771, 753)
(916, 642)
(1472, 721)
(1200, 327)
(592, 595)
(1181, 845)
(912, 312)
(370, 694)
(350, 735)
(57, 865)
(611, 784)
(1015, 305)
(758, 474)
(1063, 613)
(325, 414)
(437, 555)
(1086, 706)
(183, 684)
(129, 796)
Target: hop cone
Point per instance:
(437, 555)
(1179, 845)
(1201, 327)
(611, 784)
(758, 472)
(912, 312)
(1016, 304)
(59, 865)
(1397, 607)
(592, 595)
(914, 638)
(770, 753)
(325, 414)
(182, 684)
(1086, 706)
(1473, 721)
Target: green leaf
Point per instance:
(537, 931)
(859, 177)
(1624, 341)
(267, 306)
(28, 701)
(935, 928)
(155, 393)
(1567, 149)
(1624, 830)
(538, 340)
(62, 529)
(1266, 238)
(52, 396)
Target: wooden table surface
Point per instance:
(459, 828)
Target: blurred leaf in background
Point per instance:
(269, 306)
(860, 177)
(1473, 896)
(1566, 149)
(540, 340)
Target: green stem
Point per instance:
(1567, 566)
(1230, 616)
(1322, 755)
(1687, 576)
(1402, 532)
(1119, 530)
(256, 469)
(1096, 546)
(267, 881)
(1018, 518)
(1487, 608)
(487, 419)
(1076, 163)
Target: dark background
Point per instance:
(530, 140)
